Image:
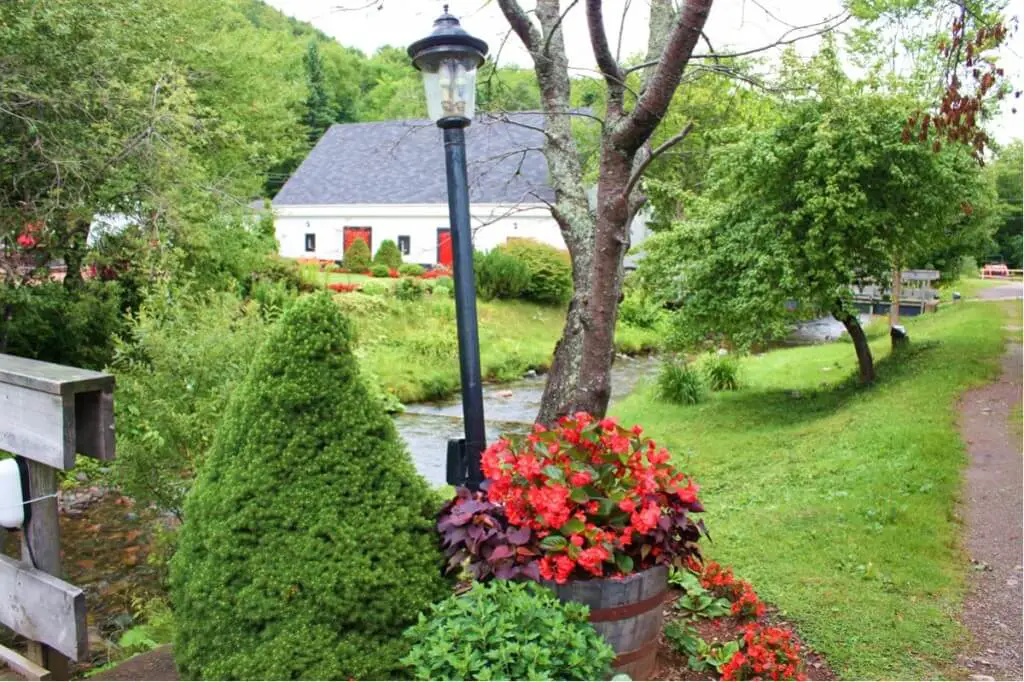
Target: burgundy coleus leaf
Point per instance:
(506, 572)
(501, 552)
(531, 570)
(518, 536)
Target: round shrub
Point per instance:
(549, 269)
(378, 270)
(506, 630)
(357, 256)
(308, 544)
(679, 383)
(500, 275)
(388, 254)
(410, 270)
(409, 290)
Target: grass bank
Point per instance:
(837, 502)
(411, 346)
(970, 287)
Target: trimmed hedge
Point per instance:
(388, 254)
(308, 544)
(357, 256)
(410, 270)
(549, 269)
(500, 275)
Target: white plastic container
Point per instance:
(12, 509)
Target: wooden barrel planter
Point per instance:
(626, 612)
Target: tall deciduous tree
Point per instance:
(806, 210)
(598, 239)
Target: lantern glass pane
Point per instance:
(449, 82)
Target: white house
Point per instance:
(386, 180)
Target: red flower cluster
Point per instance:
(766, 653)
(342, 288)
(721, 582)
(598, 498)
(438, 271)
(393, 273)
(28, 238)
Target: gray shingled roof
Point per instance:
(402, 162)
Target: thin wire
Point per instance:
(34, 499)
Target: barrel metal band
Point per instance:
(646, 649)
(627, 610)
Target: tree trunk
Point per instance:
(860, 344)
(580, 376)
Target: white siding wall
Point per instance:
(419, 222)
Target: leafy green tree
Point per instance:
(803, 212)
(1006, 172)
(308, 544)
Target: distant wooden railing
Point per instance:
(48, 414)
(1000, 271)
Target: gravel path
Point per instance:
(1003, 292)
(993, 512)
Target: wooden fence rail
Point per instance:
(48, 413)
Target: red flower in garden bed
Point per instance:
(586, 498)
(439, 271)
(343, 288)
(766, 653)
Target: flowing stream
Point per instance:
(508, 408)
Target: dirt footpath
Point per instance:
(993, 512)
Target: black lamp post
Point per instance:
(448, 59)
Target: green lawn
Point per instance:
(837, 502)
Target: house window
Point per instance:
(310, 242)
(403, 244)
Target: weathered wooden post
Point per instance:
(48, 414)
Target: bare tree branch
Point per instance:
(622, 28)
(635, 129)
(658, 151)
(603, 54)
(822, 27)
(558, 24)
(521, 24)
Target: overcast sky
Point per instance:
(743, 24)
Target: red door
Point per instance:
(354, 233)
(444, 246)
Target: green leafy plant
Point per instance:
(700, 655)
(182, 358)
(388, 255)
(410, 270)
(499, 274)
(640, 310)
(548, 267)
(721, 372)
(679, 383)
(506, 630)
(409, 290)
(376, 289)
(357, 256)
(378, 270)
(308, 543)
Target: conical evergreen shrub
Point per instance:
(357, 256)
(388, 254)
(308, 544)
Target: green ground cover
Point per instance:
(839, 502)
